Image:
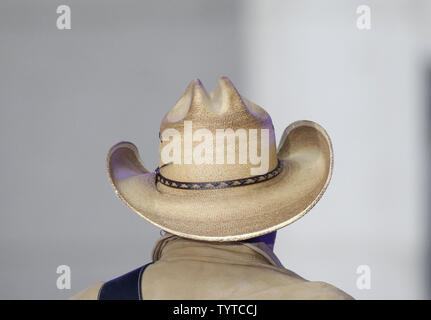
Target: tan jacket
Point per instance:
(189, 269)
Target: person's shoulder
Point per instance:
(318, 290)
(90, 293)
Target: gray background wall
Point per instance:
(67, 96)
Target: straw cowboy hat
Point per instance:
(214, 199)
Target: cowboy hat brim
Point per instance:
(231, 214)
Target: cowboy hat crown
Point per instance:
(220, 129)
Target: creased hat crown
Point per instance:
(223, 111)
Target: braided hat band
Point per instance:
(217, 184)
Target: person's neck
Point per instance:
(268, 239)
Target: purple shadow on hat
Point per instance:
(122, 167)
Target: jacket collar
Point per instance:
(170, 246)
